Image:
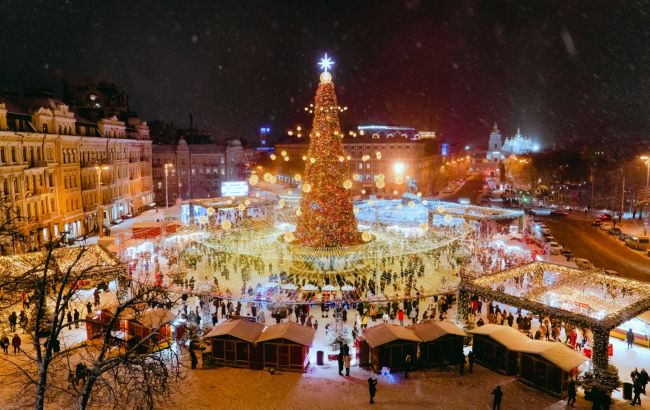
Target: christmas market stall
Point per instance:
(149, 330)
(98, 321)
(389, 346)
(497, 347)
(640, 326)
(233, 344)
(549, 366)
(285, 346)
(592, 300)
(442, 342)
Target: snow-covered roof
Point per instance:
(645, 316)
(507, 336)
(154, 318)
(557, 353)
(241, 329)
(385, 333)
(432, 330)
(289, 330)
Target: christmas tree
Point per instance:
(326, 212)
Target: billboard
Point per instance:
(234, 188)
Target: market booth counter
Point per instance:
(549, 366)
(233, 343)
(497, 347)
(442, 342)
(98, 321)
(389, 346)
(154, 325)
(285, 346)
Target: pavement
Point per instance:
(470, 189)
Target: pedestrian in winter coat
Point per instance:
(341, 362)
(400, 317)
(629, 337)
(462, 364)
(89, 308)
(470, 359)
(346, 362)
(498, 394)
(315, 324)
(15, 342)
(643, 380)
(637, 393)
(69, 317)
(13, 319)
(372, 389)
(4, 344)
(76, 318)
(572, 393)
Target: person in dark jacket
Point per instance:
(470, 360)
(340, 360)
(637, 393)
(15, 342)
(76, 319)
(4, 343)
(629, 338)
(462, 364)
(372, 389)
(572, 393)
(498, 394)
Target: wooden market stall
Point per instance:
(285, 346)
(389, 346)
(233, 344)
(442, 342)
(152, 324)
(98, 321)
(549, 365)
(497, 347)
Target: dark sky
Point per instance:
(558, 70)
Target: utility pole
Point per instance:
(620, 215)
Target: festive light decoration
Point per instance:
(380, 183)
(241, 207)
(297, 177)
(203, 219)
(347, 184)
(366, 236)
(378, 155)
(306, 188)
(327, 219)
(226, 224)
(253, 180)
(211, 211)
(247, 202)
(273, 157)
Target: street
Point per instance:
(470, 189)
(603, 250)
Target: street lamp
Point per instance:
(100, 208)
(647, 174)
(167, 168)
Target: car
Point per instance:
(567, 253)
(623, 237)
(584, 264)
(611, 272)
(614, 231)
(556, 248)
(597, 222)
(545, 231)
(529, 211)
(640, 243)
(605, 217)
(557, 212)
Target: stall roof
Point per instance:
(571, 294)
(385, 333)
(240, 328)
(432, 330)
(507, 336)
(289, 330)
(153, 318)
(557, 353)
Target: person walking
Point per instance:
(462, 364)
(69, 317)
(470, 360)
(400, 317)
(15, 342)
(572, 393)
(629, 338)
(637, 393)
(407, 366)
(4, 343)
(643, 380)
(340, 361)
(89, 308)
(372, 389)
(346, 361)
(498, 394)
(13, 319)
(76, 319)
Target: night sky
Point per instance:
(559, 70)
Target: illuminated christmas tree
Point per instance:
(326, 213)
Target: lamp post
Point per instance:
(100, 207)
(646, 159)
(167, 168)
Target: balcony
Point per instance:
(37, 164)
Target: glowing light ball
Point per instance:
(380, 183)
(399, 167)
(440, 209)
(363, 192)
(267, 177)
(365, 158)
(355, 210)
(253, 180)
(284, 153)
(341, 158)
(304, 157)
(298, 212)
(203, 219)
(306, 188)
(273, 157)
(419, 194)
(355, 177)
(347, 184)
(211, 211)
(399, 206)
(381, 176)
(225, 225)
(297, 177)
(273, 179)
(247, 202)
(241, 207)
(286, 159)
(424, 227)
(424, 202)
(399, 179)
(257, 195)
(281, 203)
(289, 237)
(378, 155)
(348, 157)
(366, 237)
(411, 204)
(395, 192)
(312, 160)
(448, 218)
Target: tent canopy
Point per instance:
(507, 336)
(432, 330)
(385, 333)
(289, 330)
(240, 328)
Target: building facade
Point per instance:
(495, 152)
(197, 170)
(397, 159)
(49, 157)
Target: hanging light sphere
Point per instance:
(225, 225)
(247, 202)
(306, 188)
(257, 195)
(381, 176)
(297, 177)
(253, 180)
(286, 159)
(203, 219)
(312, 160)
(283, 153)
(304, 157)
(411, 204)
(395, 192)
(273, 157)
(289, 237)
(355, 210)
(267, 177)
(424, 202)
(298, 212)
(448, 218)
(341, 158)
(241, 207)
(378, 155)
(366, 236)
(380, 183)
(211, 211)
(347, 184)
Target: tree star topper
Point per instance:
(326, 63)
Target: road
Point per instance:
(470, 189)
(603, 250)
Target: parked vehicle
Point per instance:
(597, 222)
(584, 264)
(557, 212)
(567, 253)
(640, 243)
(614, 231)
(556, 248)
(605, 217)
(611, 272)
(623, 237)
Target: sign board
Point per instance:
(234, 188)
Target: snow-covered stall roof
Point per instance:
(289, 330)
(592, 299)
(507, 336)
(385, 333)
(432, 330)
(557, 353)
(240, 328)
(154, 318)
